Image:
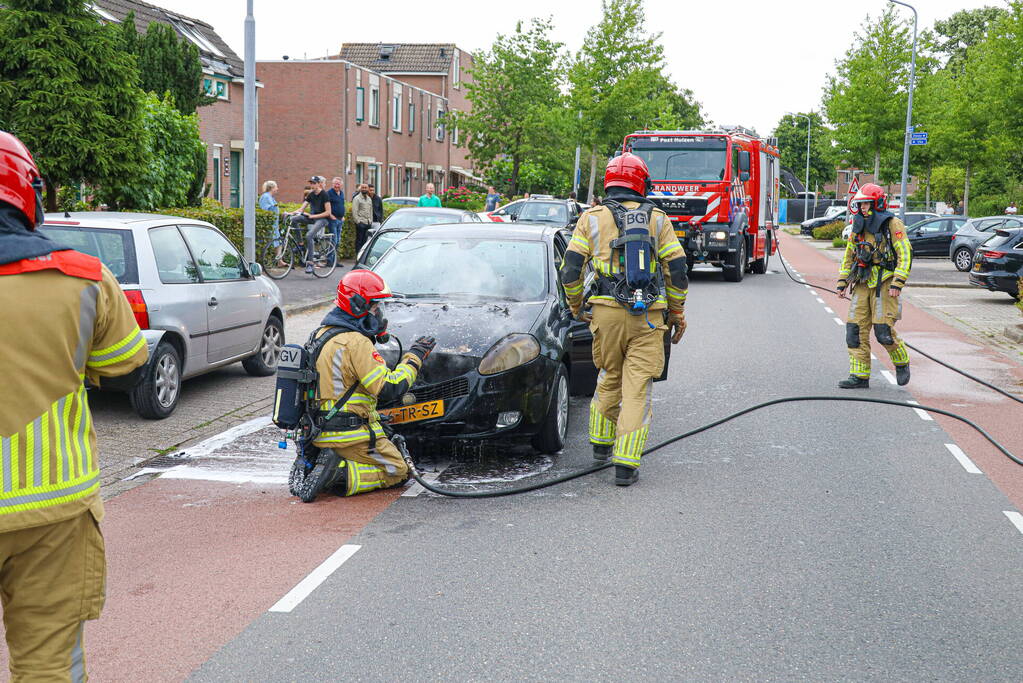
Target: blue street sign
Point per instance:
(918, 136)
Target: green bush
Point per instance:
(838, 242)
(461, 197)
(829, 231)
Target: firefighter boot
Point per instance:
(854, 382)
(626, 476)
(601, 451)
(902, 374)
(329, 471)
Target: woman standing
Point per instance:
(268, 202)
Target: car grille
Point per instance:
(453, 388)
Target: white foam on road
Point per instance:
(963, 459)
(301, 591)
(924, 415)
(211, 444)
(416, 488)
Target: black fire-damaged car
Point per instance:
(508, 351)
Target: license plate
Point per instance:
(680, 233)
(976, 266)
(415, 412)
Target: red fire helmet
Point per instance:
(869, 193)
(20, 183)
(358, 290)
(627, 170)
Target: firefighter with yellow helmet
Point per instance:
(66, 319)
(873, 272)
(639, 292)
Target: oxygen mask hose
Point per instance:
(923, 353)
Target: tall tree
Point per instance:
(167, 63)
(866, 99)
(953, 37)
(70, 92)
(617, 81)
(791, 134)
(517, 110)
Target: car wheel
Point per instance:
(760, 265)
(551, 437)
(963, 259)
(264, 362)
(156, 396)
(736, 265)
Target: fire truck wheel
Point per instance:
(690, 264)
(735, 267)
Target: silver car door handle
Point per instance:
(212, 301)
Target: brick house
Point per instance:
(844, 176)
(220, 123)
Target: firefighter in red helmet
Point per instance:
(639, 292)
(873, 272)
(66, 319)
(356, 456)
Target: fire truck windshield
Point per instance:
(683, 158)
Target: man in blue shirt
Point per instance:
(336, 197)
(492, 199)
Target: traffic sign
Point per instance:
(918, 138)
(854, 187)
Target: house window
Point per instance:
(456, 71)
(454, 137)
(217, 170)
(190, 31)
(374, 106)
(360, 173)
(440, 125)
(396, 110)
(207, 86)
(223, 92)
(411, 115)
(428, 121)
(408, 182)
(360, 104)
(374, 177)
(103, 14)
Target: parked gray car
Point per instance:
(199, 305)
(972, 234)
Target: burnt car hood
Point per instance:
(464, 331)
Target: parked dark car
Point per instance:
(404, 221)
(972, 234)
(560, 212)
(932, 237)
(912, 218)
(831, 214)
(998, 263)
(509, 352)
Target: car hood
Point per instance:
(464, 331)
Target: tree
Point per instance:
(517, 108)
(947, 184)
(70, 92)
(866, 99)
(617, 81)
(791, 134)
(167, 64)
(172, 149)
(953, 37)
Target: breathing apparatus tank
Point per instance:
(635, 287)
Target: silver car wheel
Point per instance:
(270, 348)
(562, 399)
(168, 381)
(963, 260)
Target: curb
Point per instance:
(290, 309)
(946, 285)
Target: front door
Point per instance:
(236, 300)
(236, 179)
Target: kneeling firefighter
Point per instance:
(873, 272)
(355, 456)
(641, 285)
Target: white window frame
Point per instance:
(411, 114)
(374, 105)
(188, 29)
(456, 70)
(396, 108)
(440, 125)
(360, 104)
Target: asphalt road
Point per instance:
(804, 542)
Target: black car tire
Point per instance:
(962, 256)
(156, 395)
(735, 267)
(551, 437)
(760, 265)
(263, 363)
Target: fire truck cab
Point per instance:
(720, 189)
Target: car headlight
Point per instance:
(719, 235)
(510, 352)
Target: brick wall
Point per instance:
(219, 124)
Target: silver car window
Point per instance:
(173, 262)
(216, 257)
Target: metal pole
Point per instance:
(576, 173)
(806, 181)
(909, 115)
(249, 112)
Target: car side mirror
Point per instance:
(255, 269)
(744, 161)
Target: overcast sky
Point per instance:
(747, 64)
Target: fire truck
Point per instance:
(720, 189)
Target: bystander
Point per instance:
(429, 199)
(362, 216)
(336, 197)
(378, 207)
(493, 198)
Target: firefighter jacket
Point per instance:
(592, 239)
(350, 358)
(890, 257)
(65, 320)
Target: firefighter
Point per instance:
(873, 272)
(639, 292)
(357, 457)
(65, 320)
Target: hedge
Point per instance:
(231, 222)
(829, 231)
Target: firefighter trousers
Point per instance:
(369, 469)
(52, 579)
(629, 355)
(873, 309)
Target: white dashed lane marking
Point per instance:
(838, 321)
(963, 459)
(826, 308)
(1015, 518)
(888, 376)
(924, 415)
(307, 585)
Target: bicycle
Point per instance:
(293, 248)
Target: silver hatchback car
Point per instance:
(200, 306)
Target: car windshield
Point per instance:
(382, 244)
(683, 158)
(1009, 240)
(414, 218)
(466, 269)
(833, 211)
(115, 248)
(544, 212)
(914, 218)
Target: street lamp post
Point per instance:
(248, 197)
(806, 181)
(909, 114)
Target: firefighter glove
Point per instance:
(422, 347)
(677, 323)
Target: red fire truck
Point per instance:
(720, 189)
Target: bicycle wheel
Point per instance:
(324, 256)
(278, 268)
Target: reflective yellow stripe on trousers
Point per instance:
(50, 460)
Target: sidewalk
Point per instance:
(301, 291)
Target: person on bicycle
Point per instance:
(314, 213)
